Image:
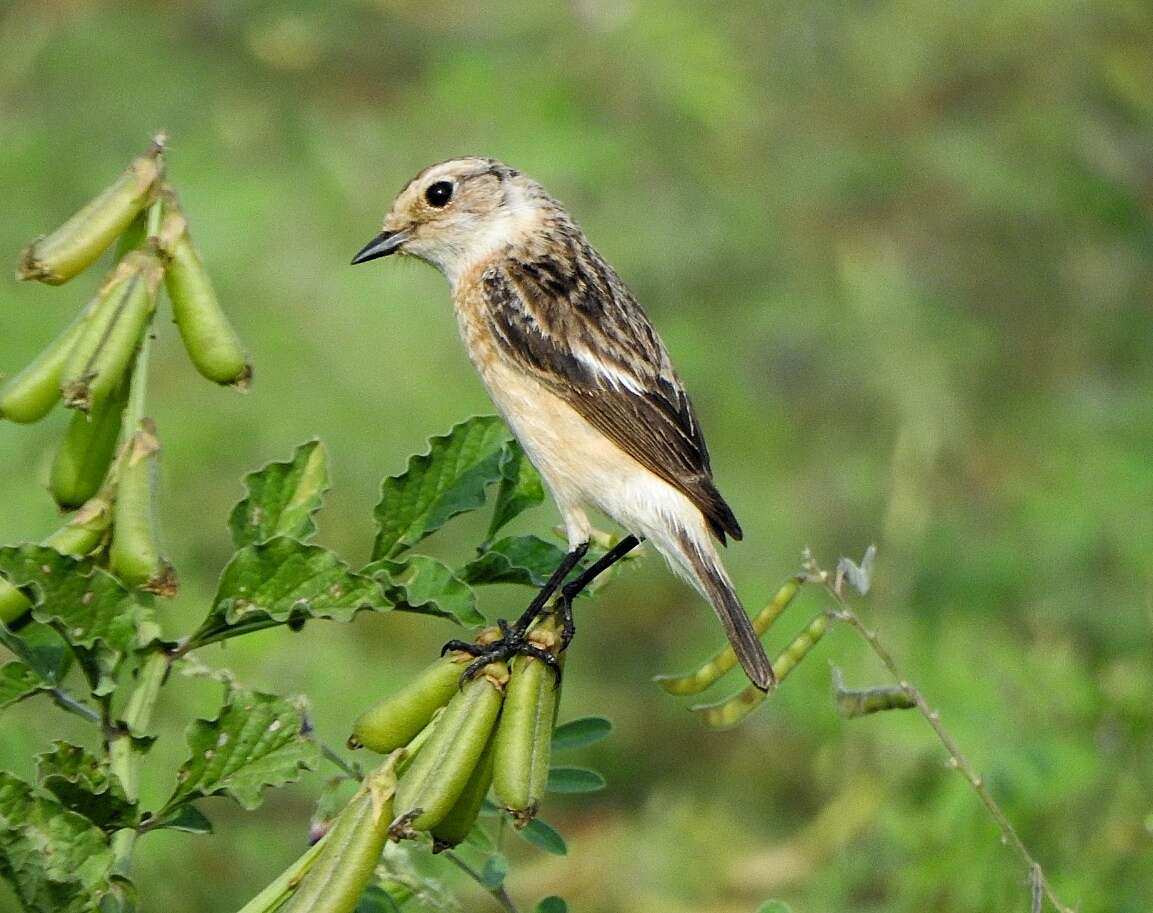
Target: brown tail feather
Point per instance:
(735, 621)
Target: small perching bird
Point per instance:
(581, 377)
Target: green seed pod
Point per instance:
(455, 826)
(523, 740)
(350, 851)
(133, 555)
(85, 531)
(77, 243)
(134, 236)
(731, 711)
(396, 720)
(82, 462)
(79, 537)
(13, 603)
(713, 669)
(30, 395)
(208, 336)
(98, 319)
(104, 352)
(856, 702)
(438, 776)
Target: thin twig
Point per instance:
(1036, 889)
(66, 701)
(498, 893)
(957, 760)
(351, 769)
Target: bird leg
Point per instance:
(571, 560)
(572, 589)
(513, 639)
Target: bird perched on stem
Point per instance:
(580, 375)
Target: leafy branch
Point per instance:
(834, 585)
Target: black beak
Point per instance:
(387, 242)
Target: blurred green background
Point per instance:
(902, 254)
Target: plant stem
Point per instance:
(276, 890)
(498, 893)
(122, 752)
(957, 760)
(66, 701)
(352, 770)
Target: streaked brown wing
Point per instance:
(578, 330)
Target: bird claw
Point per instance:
(462, 646)
(512, 642)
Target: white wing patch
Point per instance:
(614, 377)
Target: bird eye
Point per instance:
(439, 194)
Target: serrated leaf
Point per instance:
(419, 583)
(582, 731)
(552, 904)
(448, 480)
(493, 873)
(84, 784)
(528, 560)
(18, 681)
(56, 860)
(43, 651)
(574, 780)
(544, 837)
(258, 740)
(88, 606)
(283, 498)
(187, 818)
(520, 488)
(285, 580)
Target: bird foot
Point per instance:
(513, 641)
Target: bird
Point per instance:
(582, 379)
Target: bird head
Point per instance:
(455, 213)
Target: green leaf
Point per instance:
(282, 498)
(582, 731)
(84, 784)
(529, 560)
(257, 740)
(89, 607)
(493, 874)
(187, 818)
(544, 836)
(56, 860)
(422, 584)
(520, 488)
(18, 681)
(448, 480)
(574, 780)
(285, 581)
(44, 652)
(552, 904)
(774, 906)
